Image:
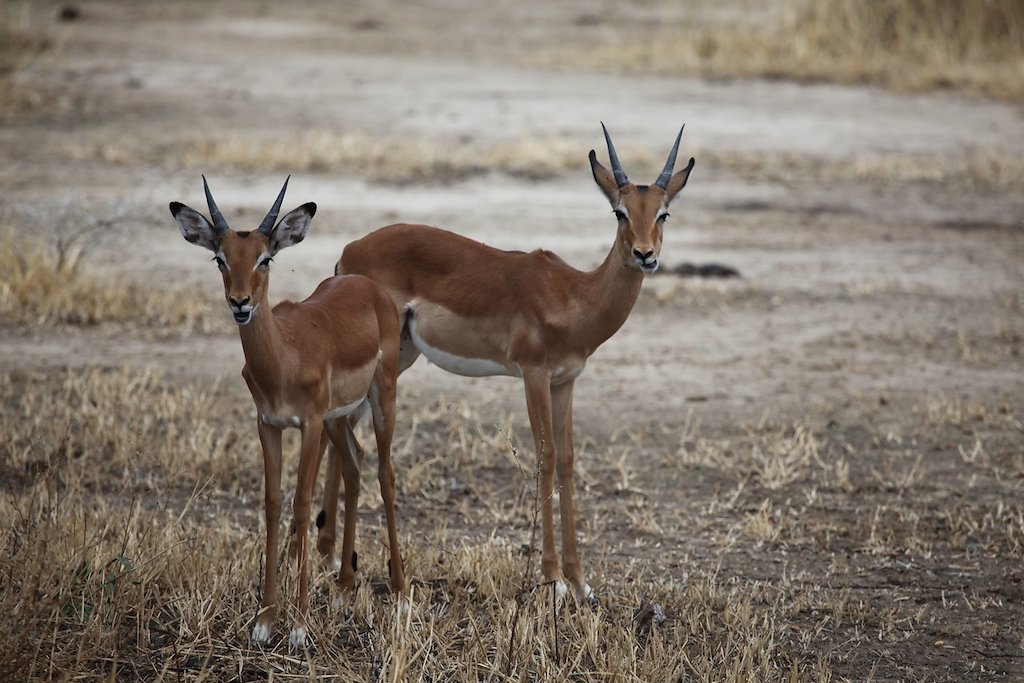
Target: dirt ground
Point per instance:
(877, 315)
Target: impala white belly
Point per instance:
(562, 375)
(342, 411)
(459, 365)
(281, 421)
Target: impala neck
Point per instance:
(263, 347)
(613, 290)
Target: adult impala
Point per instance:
(310, 366)
(478, 311)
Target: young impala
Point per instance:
(477, 311)
(310, 366)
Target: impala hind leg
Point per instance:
(327, 519)
(344, 444)
(407, 351)
(383, 405)
(270, 440)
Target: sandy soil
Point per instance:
(860, 300)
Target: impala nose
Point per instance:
(241, 309)
(646, 260)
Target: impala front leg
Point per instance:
(538, 407)
(270, 439)
(309, 459)
(343, 445)
(561, 414)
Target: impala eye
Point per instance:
(265, 263)
(221, 263)
(662, 217)
(621, 215)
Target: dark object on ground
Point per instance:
(687, 269)
(648, 617)
(69, 13)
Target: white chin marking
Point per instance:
(261, 633)
(561, 589)
(246, 311)
(298, 637)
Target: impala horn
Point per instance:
(220, 225)
(268, 222)
(666, 174)
(620, 176)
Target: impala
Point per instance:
(312, 366)
(478, 311)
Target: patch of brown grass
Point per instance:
(131, 546)
(117, 560)
(903, 44)
(18, 46)
(389, 160)
(978, 169)
(46, 283)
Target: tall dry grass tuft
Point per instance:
(101, 429)
(18, 46)
(46, 283)
(915, 44)
(905, 44)
(390, 160)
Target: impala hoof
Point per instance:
(338, 603)
(261, 633)
(297, 639)
(587, 595)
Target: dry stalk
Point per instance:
(525, 586)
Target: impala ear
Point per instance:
(194, 227)
(604, 179)
(678, 181)
(292, 228)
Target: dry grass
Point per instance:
(904, 44)
(412, 161)
(132, 506)
(18, 47)
(978, 169)
(389, 160)
(131, 551)
(45, 282)
(400, 161)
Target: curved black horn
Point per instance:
(268, 221)
(666, 173)
(219, 224)
(620, 176)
